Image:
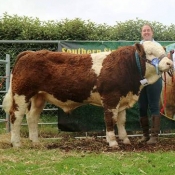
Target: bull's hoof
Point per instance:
(115, 148)
(36, 144)
(126, 141)
(113, 144)
(16, 144)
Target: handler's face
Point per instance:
(147, 33)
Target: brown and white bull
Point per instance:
(108, 79)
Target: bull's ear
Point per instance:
(140, 49)
(164, 48)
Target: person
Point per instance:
(149, 99)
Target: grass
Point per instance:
(30, 160)
(40, 160)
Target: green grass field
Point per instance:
(40, 160)
(29, 160)
(61, 155)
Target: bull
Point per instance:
(112, 80)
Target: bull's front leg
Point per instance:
(110, 134)
(121, 119)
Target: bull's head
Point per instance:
(156, 60)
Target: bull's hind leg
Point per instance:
(121, 119)
(17, 112)
(32, 115)
(110, 134)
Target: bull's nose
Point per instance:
(169, 64)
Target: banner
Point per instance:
(81, 47)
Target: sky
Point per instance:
(99, 11)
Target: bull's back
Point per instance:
(65, 76)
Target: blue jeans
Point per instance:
(149, 99)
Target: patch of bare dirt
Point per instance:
(5, 141)
(94, 144)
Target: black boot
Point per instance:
(155, 130)
(144, 122)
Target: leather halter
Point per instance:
(154, 62)
(159, 59)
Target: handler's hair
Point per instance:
(147, 24)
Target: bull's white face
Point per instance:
(154, 50)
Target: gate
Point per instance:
(5, 66)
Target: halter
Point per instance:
(154, 62)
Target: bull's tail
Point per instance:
(8, 99)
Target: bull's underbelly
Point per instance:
(70, 105)
(94, 99)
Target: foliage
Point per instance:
(27, 28)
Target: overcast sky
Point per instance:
(98, 11)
